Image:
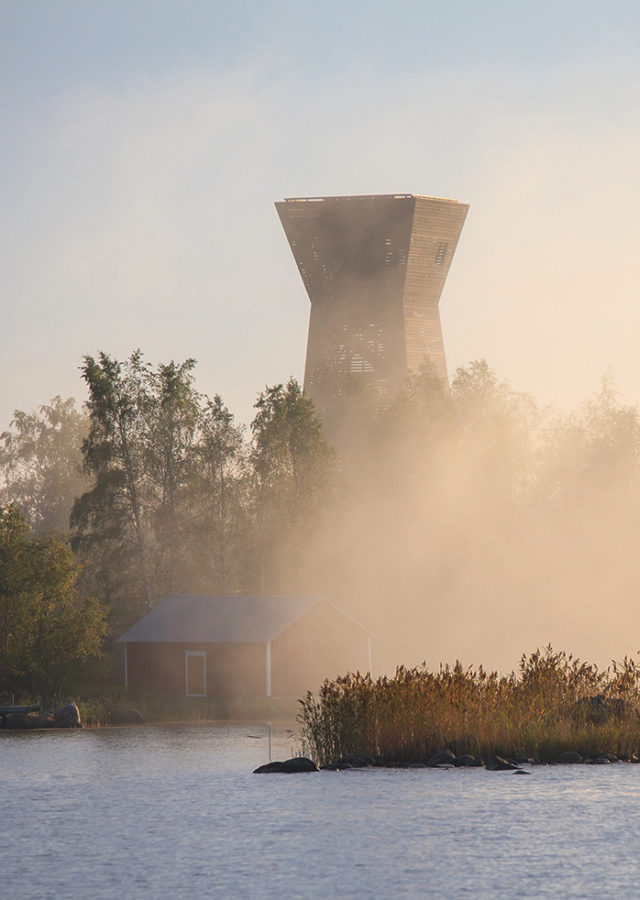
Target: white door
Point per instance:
(195, 662)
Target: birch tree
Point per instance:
(41, 463)
(114, 450)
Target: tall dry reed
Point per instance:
(554, 702)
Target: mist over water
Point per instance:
(475, 525)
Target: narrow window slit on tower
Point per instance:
(442, 249)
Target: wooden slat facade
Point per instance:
(322, 644)
(232, 670)
(374, 268)
(437, 225)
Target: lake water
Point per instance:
(164, 812)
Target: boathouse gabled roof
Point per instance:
(183, 618)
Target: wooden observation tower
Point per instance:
(374, 268)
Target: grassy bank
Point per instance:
(104, 707)
(159, 709)
(552, 703)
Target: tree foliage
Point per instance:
(179, 503)
(220, 525)
(46, 631)
(115, 451)
(41, 463)
(131, 525)
(292, 466)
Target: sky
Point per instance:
(143, 144)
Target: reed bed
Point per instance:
(551, 704)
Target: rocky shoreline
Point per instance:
(29, 718)
(444, 759)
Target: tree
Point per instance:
(591, 455)
(41, 463)
(46, 631)
(612, 430)
(114, 449)
(163, 513)
(173, 415)
(292, 464)
(220, 520)
(495, 426)
(412, 430)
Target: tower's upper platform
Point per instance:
(356, 197)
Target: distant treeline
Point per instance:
(455, 522)
(156, 491)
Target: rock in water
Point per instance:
(68, 717)
(467, 761)
(296, 764)
(444, 757)
(498, 764)
(569, 756)
(357, 761)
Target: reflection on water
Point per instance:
(175, 812)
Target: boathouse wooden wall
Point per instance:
(322, 644)
(233, 670)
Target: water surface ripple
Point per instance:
(169, 812)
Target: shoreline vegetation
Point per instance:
(554, 708)
(117, 709)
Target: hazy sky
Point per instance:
(143, 144)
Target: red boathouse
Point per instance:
(237, 646)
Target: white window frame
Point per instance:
(187, 654)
